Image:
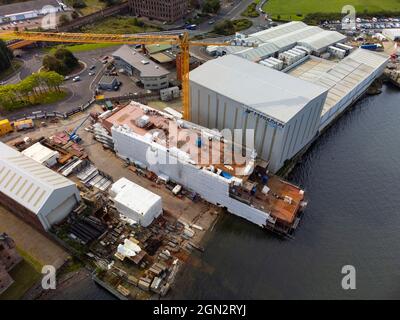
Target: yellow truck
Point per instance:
(5, 127)
(23, 124)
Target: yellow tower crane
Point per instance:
(181, 40)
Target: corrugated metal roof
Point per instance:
(271, 92)
(278, 31)
(285, 35)
(342, 77)
(322, 39)
(40, 153)
(26, 6)
(26, 181)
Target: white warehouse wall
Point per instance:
(272, 143)
(210, 186)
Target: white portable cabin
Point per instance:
(135, 202)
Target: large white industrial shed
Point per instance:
(33, 191)
(234, 93)
(281, 38)
(346, 80)
(135, 202)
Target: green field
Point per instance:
(298, 9)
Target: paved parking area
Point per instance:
(28, 239)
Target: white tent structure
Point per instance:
(33, 191)
(42, 154)
(135, 202)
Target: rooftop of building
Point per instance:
(105, 79)
(40, 153)
(266, 90)
(146, 67)
(339, 77)
(26, 181)
(272, 40)
(21, 7)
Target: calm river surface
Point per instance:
(351, 176)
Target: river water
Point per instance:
(351, 176)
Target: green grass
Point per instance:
(32, 261)
(118, 25)
(16, 64)
(25, 276)
(81, 47)
(298, 9)
(242, 24)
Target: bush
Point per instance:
(6, 56)
(211, 6)
(251, 11)
(62, 62)
(78, 4)
(227, 27)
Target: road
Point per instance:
(79, 92)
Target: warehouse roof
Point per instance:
(28, 182)
(285, 35)
(26, 6)
(322, 39)
(40, 153)
(268, 91)
(146, 67)
(342, 77)
(134, 196)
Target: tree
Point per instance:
(64, 19)
(67, 58)
(211, 6)
(225, 27)
(6, 56)
(62, 62)
(78, 4)
(52, 63)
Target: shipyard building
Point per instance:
(201, 160)
(231, 92)
(149, 73)
(34, 192)
(289, 88)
